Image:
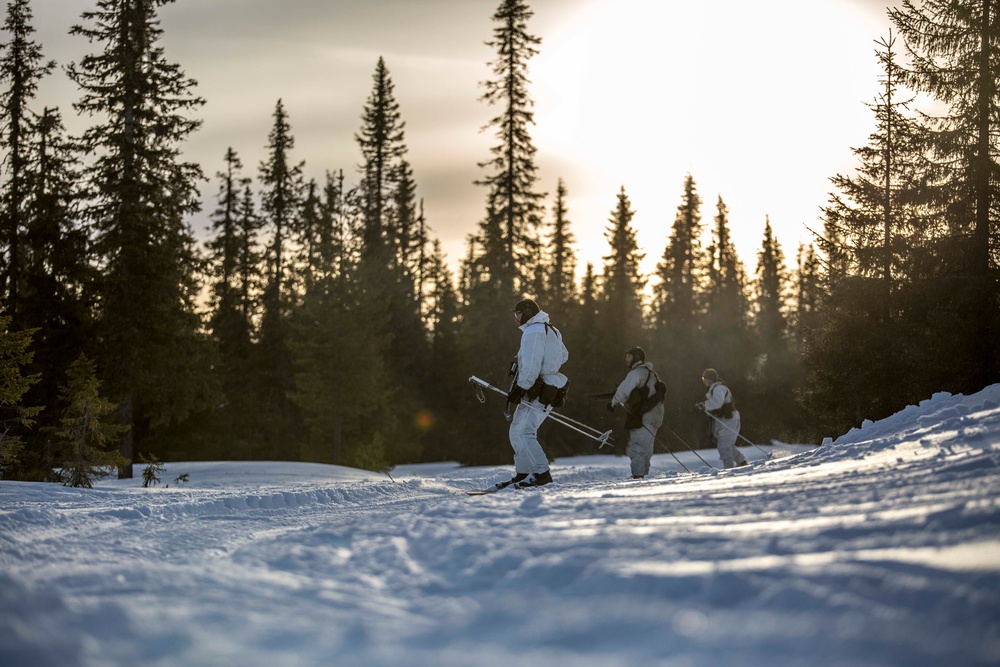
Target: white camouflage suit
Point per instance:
(724, 431)
(640, 440)
(541, 354)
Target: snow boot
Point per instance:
(534, 479)
(513, 480)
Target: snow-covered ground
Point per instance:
(880, 548)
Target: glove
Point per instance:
(700, 407)
(516, 394)
(508, 415)
(610, 406)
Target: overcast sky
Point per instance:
(760, 101)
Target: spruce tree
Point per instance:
(86, 434)
(879, 239)
(775, 370)
(726, 340)
(233, 273)
(619, 320)
(21, 68)
(810, 296)
(389, 243)
(282, 194)
(140, 193)
(954, 51)
(620, 312)
(561, 261)
(15, 416)
(513, 201)
(342, 371)
(677, 312)
(382, 150)
(444, 385)
(500, 268)
(57, 277)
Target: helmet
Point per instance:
(637, 354)
(528, 309)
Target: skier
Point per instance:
(537, 385)
(643, 409)
(726, 423)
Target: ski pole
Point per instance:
(655, 439)
(729, 428)
(603, 438)
(693, 451)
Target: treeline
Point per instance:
(321, 322)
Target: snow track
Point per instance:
(878, 549)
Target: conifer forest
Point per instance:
(321, 321)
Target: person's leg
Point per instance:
(726, 443)
(734, 424)
(639, 451)
(528, 454)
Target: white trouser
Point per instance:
(528, 454)
(641, 441)
(725, 432)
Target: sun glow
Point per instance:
(748, 98)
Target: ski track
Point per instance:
(878, 549)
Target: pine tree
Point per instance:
(809, 296)
(86, 433)
(775, 371)
(561, 264)
(444, 388)
(515, 205)
(954, 49)
(341, 385)
(681, 268)
(233, 272)
(141, 190)
(382, 150)
(15, 417)
(879, 234)
(386, 272)
(725, 330)
(225, 258)
(282, 194)
(57, 278)
(677, 312)
(620, 312)
(21, 68)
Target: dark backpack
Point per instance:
(640, 401)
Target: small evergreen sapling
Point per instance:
(151, 473)
(84, 433)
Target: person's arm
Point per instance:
(626, 388)
(716, 397)
(530, 357)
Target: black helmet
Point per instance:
(637, 354)
(528, 309)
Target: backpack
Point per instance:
(640, 401)
(654, 399)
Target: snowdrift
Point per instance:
(881, 547)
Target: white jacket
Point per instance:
(541, 354)
(640, 374)
(717, 395)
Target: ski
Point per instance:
(481, 492)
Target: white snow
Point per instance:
(881, 547)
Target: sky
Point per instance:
(879, 548)
(760, 102)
